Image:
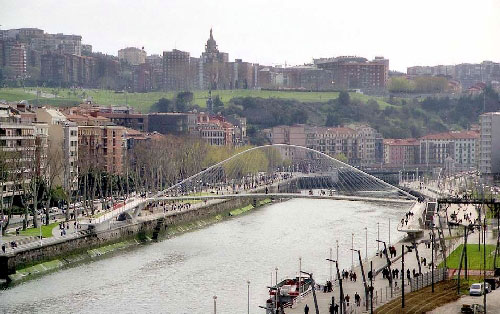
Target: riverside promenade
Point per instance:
(382, 291)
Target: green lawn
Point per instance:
(46, 231)
(474, 257)
(143, 101)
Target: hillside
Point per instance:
(144, 101)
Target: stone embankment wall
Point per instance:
(140, 229)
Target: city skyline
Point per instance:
(278, 38)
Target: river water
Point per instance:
(182, 274)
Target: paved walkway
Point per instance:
(381, 286)
(382, 292)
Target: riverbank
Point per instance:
(43, 260)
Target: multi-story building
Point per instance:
(155, 63)
(132, 55)
(13, 58)
(356, 72)
(489, 156)
(61, 43)
(466, 73)
(355, 142)
(18, 152)
(215, 130)
(168, 123)
(63, 145)
(240, 129)
(176, 70)
(461, 146)
(67, 69)
(401, 152)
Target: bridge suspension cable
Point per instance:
(282, 168)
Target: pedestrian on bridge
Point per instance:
(306, 309)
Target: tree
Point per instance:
(332, 120)
(341, 157)
(183, 101)
(218, 104)
(162, 105)
(344, 98)
(400, 85)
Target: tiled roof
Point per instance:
(401, 142)
(452, 135)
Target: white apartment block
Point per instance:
(489, 157)
(63, 140)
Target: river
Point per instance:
(182, 274)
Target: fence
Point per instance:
(425, 280)
(383, 295)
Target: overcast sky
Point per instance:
(423, 32)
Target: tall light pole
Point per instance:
(248, 296)
(300, 275)
(337, 242)
(215, 304)
(389, 231)
(366, 243)
(277, 291)
(352, 250)
(276, 269)
(378, 237)
(330, 264)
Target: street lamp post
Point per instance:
(276, 295)
(341, 296)
(366, 243)
(300, 276)
(432, 272)
(330, 264)
(389, 231)
(215, 304)
(276, 269)
(337, 242)
(352, 250)
(248, 296)
(378, 237)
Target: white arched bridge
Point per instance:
(285, 171)
(277, 171)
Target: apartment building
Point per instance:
(176, 70)
(489, 156)
(401, 152)
(215, 130)
(461, 146)
(356, 72)
(100, 143)
(132, 55)
(63, 145)
(18, 152)
(355, 142)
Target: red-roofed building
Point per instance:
(401, 152)
(215, 130)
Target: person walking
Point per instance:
(306, 309)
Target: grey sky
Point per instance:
(424, 32)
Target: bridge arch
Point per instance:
(275, 163)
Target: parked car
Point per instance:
(479, 288)
(53, 210)
(472, 309)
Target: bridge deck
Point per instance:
(285, 195)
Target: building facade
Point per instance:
(132, 55)
(461, 146)
(489, 156)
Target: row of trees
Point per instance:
(430, 84)
(149, 166)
